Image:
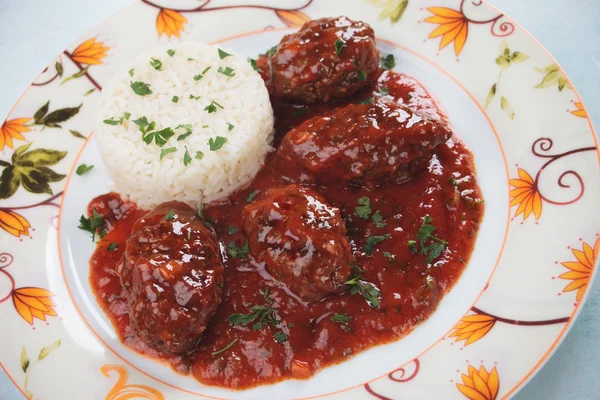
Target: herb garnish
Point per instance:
(364, 209)
(253, 65)
(384, 91)
(170, 52)
(230, 127)
(131, 72)
(251, 196)
(261, 314)
(435, 246)
(365, 101)
(155, 63)
(227, 71)
(281, 337)
(389, 255)
(141, 88)
(187, 159)
(112, 247)
(362, 75)
(170, 215)
(223, 54)
(232, 229)
(175, 99)
(214, 353)
(83, 169)
(188, 131)
(160, 137)
(199, 155)
(271, 52)
(166, 151)
(192, 97)
(366, 289)
(378, 219)
(217, 143)
(125, 116)
(92, 224)
(387, 62)
(340, 318)
(235, 251)
(212, 107)
(453, 181)
(412, 246)
(339, 46)
(372, 241)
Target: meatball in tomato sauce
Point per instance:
(328, 59)
(301, 239)
(369, 143)
(173, 275)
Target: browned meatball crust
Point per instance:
(301, 239)
(329, 58)
(173, 274)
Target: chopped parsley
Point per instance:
(214, 353)
(230, 127)
(141, 88)
(156, 64)
(281, 337)
(170, 215)
(144, 125)
(212, 107)
(384, 91)
(389, 255)
(92, 224)
(131, 72)
(261, 314)
(453, 181)
(201, 74)
(253, 65)
(372, 241)
(378, 219)
(199, 155)
(216, 143)
(251, 196)
(192, 97)
(412, 246)
(175, 99)
(112, 247)
(83, 169)
(362, 75)
(227, 71)
(171, 52)
(435, 246)
(364, 209)
(223, 54)
(365, 289)
(339, 46)
(271, 52)
(160, 137)
(365, 101)
(190, 59)
(387, 62)
(340, 318)
(188, 131)
(235, 251)
(200, 213)
(166, 151)
(232, 229)
(126, 115)
(187, 159)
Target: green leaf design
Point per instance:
(24, 359)
(553, 76)
(503, 62)
(39, 114)
(490, 95)
(51, 120)
(30, 169)
(518, 57)
(77, 134)
(59, 68)
(76, 75)
(45, 352)
(392, 9)
(506, 107)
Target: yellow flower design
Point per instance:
(581, 270)
(480, 385)
(123, 391)
(453, 27)
(11, 130)
(170, 22)
(293, 19)
(580, 112)
(32, 302)
(526, 195)
(472, 328)
(14, 223)
(90, 52)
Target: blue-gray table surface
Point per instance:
(33, 32)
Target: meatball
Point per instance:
(366, 142)
(301, 239)
(173, 275)
(329, 58)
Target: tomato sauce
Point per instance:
(446, 190)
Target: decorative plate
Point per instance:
(537, 161)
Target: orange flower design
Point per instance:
(12, 130)
(526, 195)
(14, 223)
(472, 328)
(480, 385)
(580, 112)
(293, 19)
(123, 391)
(453, 27)
(90, 52)
(32, 302)
(581, 270)
(170, 22)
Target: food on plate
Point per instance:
(369, 142)
(173, 276)
(191, 122)
(302, 240)
(328, 59)
(277, 249)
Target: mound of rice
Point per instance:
(225, 105)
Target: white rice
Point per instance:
(135, 167)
